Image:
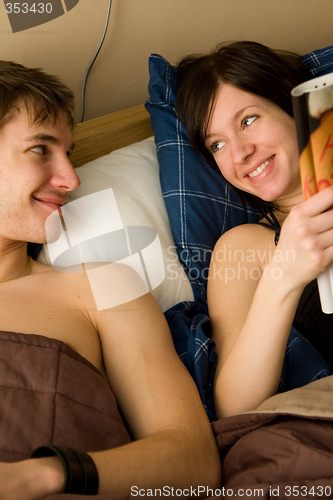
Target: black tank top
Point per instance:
(310, 321)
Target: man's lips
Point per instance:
(53, 203)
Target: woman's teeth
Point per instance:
(261, 168)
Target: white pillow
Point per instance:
(133, 174)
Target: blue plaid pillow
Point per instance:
(200, 205)
(319, 62)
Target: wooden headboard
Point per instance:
(100, 136)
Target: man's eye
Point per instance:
(38, 149)
(248, 120)
(217, 146)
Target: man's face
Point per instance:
(36, 175)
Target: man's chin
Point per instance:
(53, 228)
(39, 241)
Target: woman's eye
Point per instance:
(248, 120)
(217, 146)
(38, 149)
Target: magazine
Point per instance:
(313, 112)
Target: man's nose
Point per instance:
(64, 176)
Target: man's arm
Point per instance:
(174, 443)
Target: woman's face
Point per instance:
(254, 144)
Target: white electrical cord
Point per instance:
(93, 60)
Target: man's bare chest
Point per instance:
(51, 307)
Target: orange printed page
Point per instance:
(319, 151)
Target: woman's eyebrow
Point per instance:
(241, 111)
(235, 118)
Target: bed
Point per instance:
(285, 447)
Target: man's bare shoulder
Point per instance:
(63, 282)
(95, 289)
(57, 305)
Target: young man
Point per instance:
(45, 312)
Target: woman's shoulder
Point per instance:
(251, 244)
(246, 234)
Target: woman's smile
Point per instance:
(254, 144)
(261, 168)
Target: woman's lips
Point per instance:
(262, 170)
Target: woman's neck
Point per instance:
(284, 205)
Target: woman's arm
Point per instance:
(253, 296)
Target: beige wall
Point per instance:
(172, 28)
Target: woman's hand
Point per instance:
(31, 479)
(306, 240)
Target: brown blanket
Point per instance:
(283, 449)
(51, 395)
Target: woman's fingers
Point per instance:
(308, 233)
(325, 239)
(324, 221)
(312, 217)
(317, 204)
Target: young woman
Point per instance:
(235, 104)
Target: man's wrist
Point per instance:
(46, 475)
(80, 472)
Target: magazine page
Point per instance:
(313, 112)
